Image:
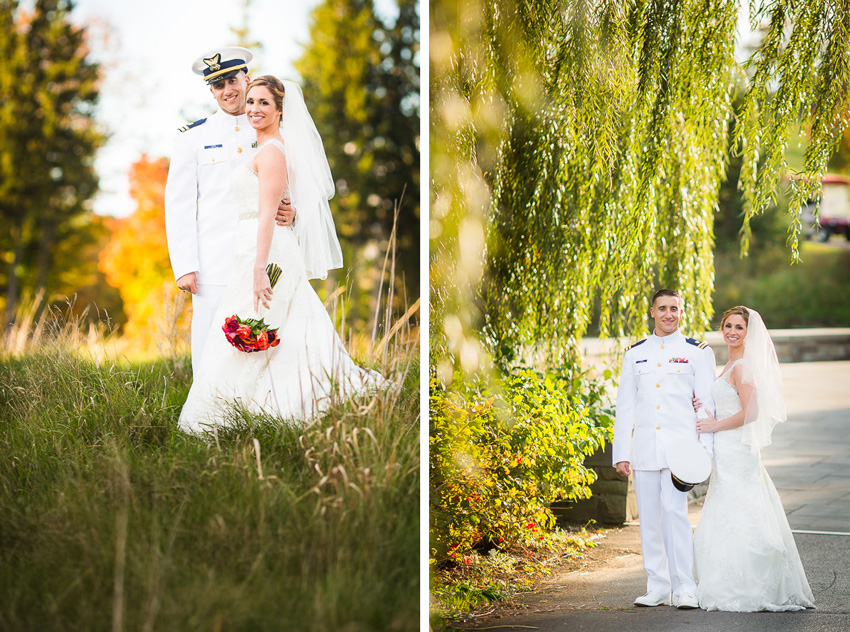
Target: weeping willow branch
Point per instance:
(588, 140)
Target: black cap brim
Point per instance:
(226, 75)
(682, 486)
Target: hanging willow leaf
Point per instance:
(587, 140)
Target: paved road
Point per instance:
(809, 462)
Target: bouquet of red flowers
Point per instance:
(251, 334)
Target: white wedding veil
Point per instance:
(760, 369)
(311, 186)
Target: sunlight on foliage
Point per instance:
(588, 140)
(501, 453)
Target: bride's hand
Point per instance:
(707, 424)
(262, 288)
(697, 403)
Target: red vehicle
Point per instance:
(834, 209)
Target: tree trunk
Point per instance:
(45, 251)
(12, 287)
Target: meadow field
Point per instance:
(112, 519)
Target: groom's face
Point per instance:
(230, 93)
(667, 312)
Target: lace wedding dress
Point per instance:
(745, 556)
(294, 381)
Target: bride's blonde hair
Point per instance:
(274, 85)
(739, 310)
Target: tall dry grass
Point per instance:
(111, 519)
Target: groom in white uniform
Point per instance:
(660, 376)
(200, 208)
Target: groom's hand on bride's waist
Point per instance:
(285, 214)
(188, 283)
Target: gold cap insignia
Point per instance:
(214, 62)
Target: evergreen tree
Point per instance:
(361, 83)
(48, 91)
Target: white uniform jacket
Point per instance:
(200, 208)
(655, 400)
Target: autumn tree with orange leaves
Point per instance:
(136, 262)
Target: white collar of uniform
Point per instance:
(676, 336)
(228, 119)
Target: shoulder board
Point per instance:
(191, 125)
(696, 343)
(639, 342)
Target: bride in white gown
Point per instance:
(297, 379)
(745, 556)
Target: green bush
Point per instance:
(502, 452)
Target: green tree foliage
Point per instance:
(765, 233)
(361, 82)
(840, 160)
(48, 90)
(585, 144)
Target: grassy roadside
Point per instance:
(812, 293)
(111, 519)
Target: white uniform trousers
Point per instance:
(666, 537)
(204, 306)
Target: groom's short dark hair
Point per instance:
(665, 292)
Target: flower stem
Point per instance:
(274, 272)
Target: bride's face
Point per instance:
(734, 330)
(261, 109)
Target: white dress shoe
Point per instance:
(685, 601)
(653, 598)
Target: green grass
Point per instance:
(111, 519)
(813, 293)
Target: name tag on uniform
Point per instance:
(211, 146)
(678, 361)
(639, 361)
